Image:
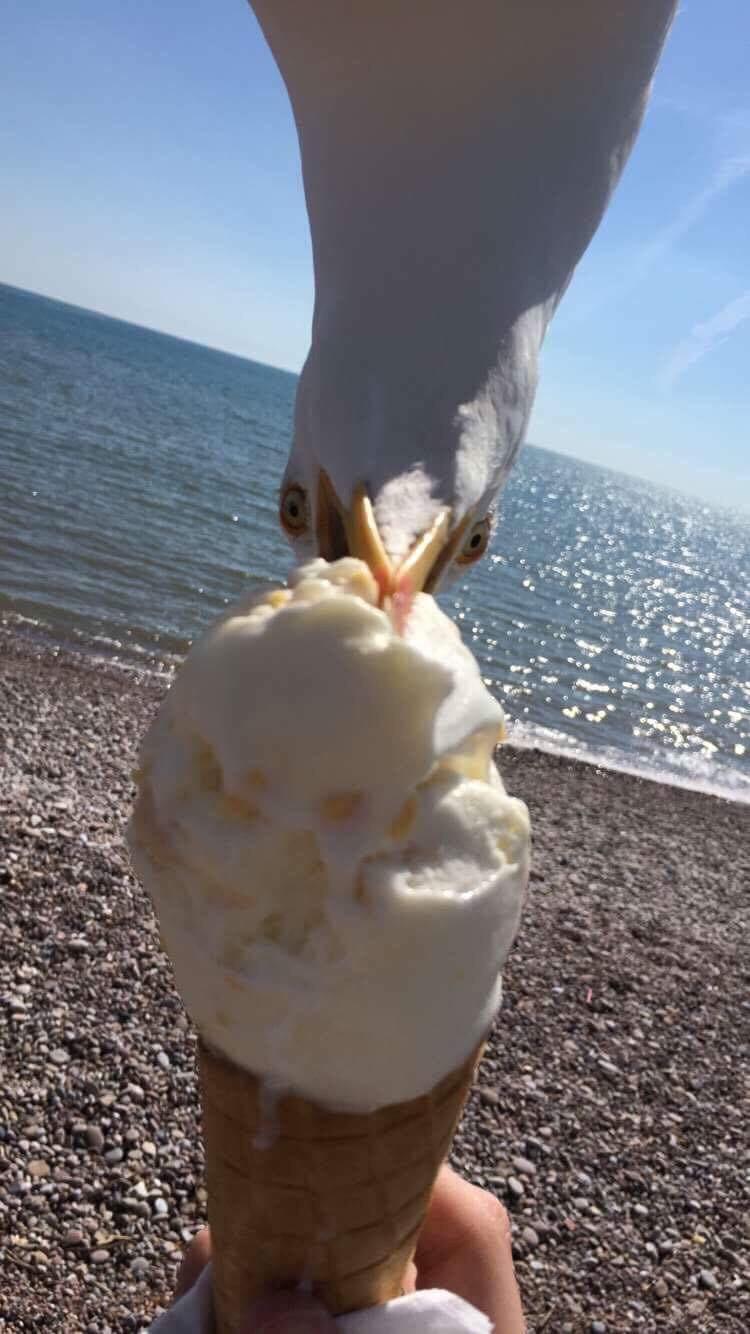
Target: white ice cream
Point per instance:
(336, 867)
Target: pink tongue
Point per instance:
(402, 600)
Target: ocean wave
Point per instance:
(696, 773)
(129, 656)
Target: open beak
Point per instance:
(354, 532)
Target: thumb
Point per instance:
(287, 1313)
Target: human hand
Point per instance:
(464, 1247)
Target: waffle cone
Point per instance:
(299, 1193)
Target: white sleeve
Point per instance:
(429, 1312)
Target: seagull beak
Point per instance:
(354, 532)
(365, 542)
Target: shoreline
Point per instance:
(608, 1114)
(26, 639)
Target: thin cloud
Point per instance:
(706, 337)
(732, 146)
(729, 172)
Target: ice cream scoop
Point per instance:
(338, 875)
(336, 867)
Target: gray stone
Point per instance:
(531, 1237)
(515, 1187)
(524, 1167)
(708, 1279)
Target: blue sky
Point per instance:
(149, 168)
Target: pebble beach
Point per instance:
(609, 1114)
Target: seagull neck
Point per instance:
(453, 155)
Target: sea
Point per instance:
(138, 496)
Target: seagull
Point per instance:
(457, 159)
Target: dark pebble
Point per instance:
(94, 1136)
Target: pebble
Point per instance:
(160, 1206)
(59, 1056)
(524, 1167)
(598, 1327)
(515, 1187)
(661, 1288)
(163, 1061)
(38, 1168)
(531, 1237)
(73, 1237)
(99, 1257)
(490, 1097)
(708, 1279)
(94, 1136)
(139, 1267)
(113, 1156)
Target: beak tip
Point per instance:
(404, 580)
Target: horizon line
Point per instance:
(740, 510)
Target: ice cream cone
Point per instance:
(301, 1194)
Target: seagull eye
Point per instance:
(293, 510)
(477, 541)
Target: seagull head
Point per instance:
(400, 463)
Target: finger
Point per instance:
(465, 1247)
(409, 1283)
(287, 1313)
(195, 1259)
